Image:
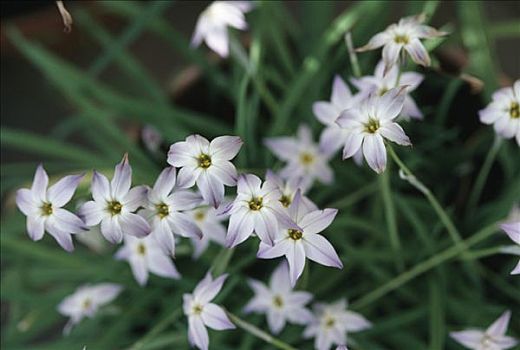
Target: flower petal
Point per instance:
(225, 147)
(63, 238)
(162, 265)
(266, 226)
(182, 224)
(394, 133)
(120, 184)
(184, 200)
(249, 184)
(470, 338)
(217, 40)
(275, 320)
(26, 202)
(40, 183)
(182, 154)
(111, 229)
(135, 198)
(164, 236)
(241, 225)
(211, 188)
(325, 112)
(355, 322)
(187, 176)
(197, 333)
(100, 188)
(225, 172)
(296, 258)
(134, 225)
(206, 292)
(164, 184)
(341, 94)
(267, 252)
(391, 103)
(317, 221)
(375, 152)
(499, 327)
(512, 230)
(376, 41)
(391, 55)
(91, 213)
(418, 52)
(139, 269)
(283, 147)
(352, 144)
(35, 227)
(215, 317)
(331, 139)
(67, 221)
(62, 191)
(319, 249)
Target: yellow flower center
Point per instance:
(514, 110)
(285, 200)
(306, 158)
(278, 301)
(87, 303)
(46, 209)
(197, 309)
(200, 215)
(256, 203)
(401, 39)
(162, 210)
(114, 207)
(372, 125)
(329, 322)
(141, 249)
(383, 90)
(204, 161)
(295, 234)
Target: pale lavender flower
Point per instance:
(114, 205)
(166, 208)
(504, 112)
(405, 35)
(151, 137)
(298, 244)
(144, 256)
(333, 137)
(43, 208)
(256, 208)
(207, 164)
(512, 229)
(331, 324)
(202, 313)
(304, 158)
(279, 301)
(86, 301)
(380, 83)
(213, 22)
(493, 338)
(372, 122)
(210, 224)
(289, 188)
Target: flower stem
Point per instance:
(257, 332)
(424, 266)
(482, 177)
(158, 328)
(352, 56)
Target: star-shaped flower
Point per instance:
(504, 112)
(331, 324)
(165, 211)
(256, 208)
(405, 35)
(43, 208)
(207, 164)
(371, 123)
(214, 20)
(288, 189)
(279, 301)
(206, 218)
(305, 242)
(86, 301)
(493, 338)
(513, 231)
(380, 83)
(202, 313)
(114, 205)
(304, 158)
(145, 255)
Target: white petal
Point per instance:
(266, 226)
(283, 147)
(187, 176)
(120, 184)
(317, 221)
(26, 202)
(395, 133)
(280, 248)
(217, 40)
(325, 112)
(184, 200)
(62, 237)
(91, 213)
(391, 54)
(162, 265)
(470, 338)
(211, 188)
(376, 41)
(341, 94)
(516, 270)
(249, 184)
(505, 342)
(206, 292)
(139, 269)
(279, 280)
(164, 236)
(215, 317)
(411, 79)
(410, 108)
(40, 183)
(318, 249)
(391, 103)
(418, 52)
(183, 224)
(355, 322)
(134, 225)
(135, 198)
(375, 152)
(164, 184)
(62, 191)
(297, 209)
(183, 154)
(225, 147)
(352, 144)
(67, 221)
(499, 327)
(111, 229)
(35, 227)
(241, 226)
(197, 332)
(276, 321)
(296, 258)
(225, 172)
(331, 139)
(300, 316)
(100, 188)
(513, 231)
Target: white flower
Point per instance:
(304, 158)
(504, 112)
(145, 255)
(331, 324)
(86, 301)
(43, 208)
(333, 137)
(493, 338)
(201, 312)
(305, 242)
(372, 121)
(210, 224)
(165, 211)
(256, 208)
(288, 189)
(513, 231)
(380, 83)
(207, 164)
(405, 34)
(152, 138)
(279, 302)
(213, 22)
(114, 204)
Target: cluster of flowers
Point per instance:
(276, 210)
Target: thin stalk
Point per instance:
(157, 329)
(257, 332)
(483, 253)
(352, 56)
(425, 266)
(482, 176)
(354, 197)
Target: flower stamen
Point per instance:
(141, 249)
(306, 158)
(514, 110)
(204, 161)
(372, 126)
(197, 309)
(329, 322)
(200, 215)
(46, 209)
(401, 39)
(295, 234)
(285, 200)
(163, 210)
(114, 207)
(278, 301)
(256, 203)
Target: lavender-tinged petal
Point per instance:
(225, 147)
(120, 184)
(376, 41)
(197, 333)
(418, 52)
(215, 317)
(391, 103)
(375, 152)
(199, 246)
(350, 119)
(184, 200)
(325, 112)
(279, 280)
(164, 184)
(283, 147)
(355, 322)
(276, 321)
(225, 172)
(394, 133)
(183, 225)
(63, 238)
(516, 270)
(266, 226)
(203, 284)
(211, 188)
(135, 198)
(259, 288)
(317, 221)
(391, 55)
(162, 265)
(241, 226)
(187, 176)
(139, 269)
(284, 221)
(26, 202)
(304, 134)
(469, 338)
(40, 183)
(67, 221)
(410, 108)
(163, 235)
(182, 154)
(331, 139)
(91, 213)
(300, 316)
(505, 342)
(411, 79)
(217, 41)
(318, 249)
(134, 225)
(62, 191)
(296, 258)
(512, 230)
(104, 293)
(299, 298)
(35, 227)
(210, 291)
(341, 94)
(249, 184)
(100, 187)
(353, 143)
(297, 210)
(499, 327)
(267, 252)
(111, 229)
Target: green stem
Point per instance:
(424, 266)
(483, 253)
(482, 177)
(257, 332)
(158, 328)
(352, 56)
(354, 197)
